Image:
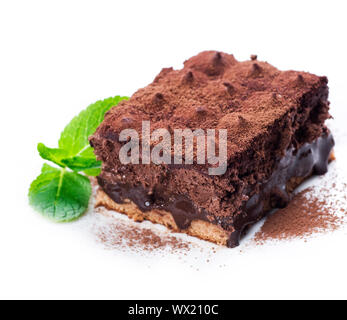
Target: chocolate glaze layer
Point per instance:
(181, 207)
(309, 159)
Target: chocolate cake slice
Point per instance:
(276, 138)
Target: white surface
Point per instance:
(56, 57)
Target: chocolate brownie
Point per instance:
(276, 138)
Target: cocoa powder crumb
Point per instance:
(305, 215)
(125, 236)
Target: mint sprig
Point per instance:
(59, 193)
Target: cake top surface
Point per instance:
(214, 91)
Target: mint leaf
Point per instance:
(52, 154)
(61, 158)
(81, 163)
(75, 136)
(92, 172)
(60, 195)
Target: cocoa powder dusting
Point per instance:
(127, 236)
(308, 213)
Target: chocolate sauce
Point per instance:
(310, 159)
(182, 209)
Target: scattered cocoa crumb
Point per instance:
(125, 236)
(305, 215)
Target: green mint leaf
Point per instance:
(92, 172)
(81, 163)
(75, 136)
(60, 195)
(61, 158)
(52, 154)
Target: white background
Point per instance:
(57, 57)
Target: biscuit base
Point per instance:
(198, 228)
